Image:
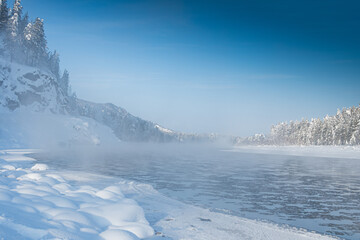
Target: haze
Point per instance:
(232, 67)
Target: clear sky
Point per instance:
(233, 67)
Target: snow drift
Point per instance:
(40, 204)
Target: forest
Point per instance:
(341, 129)
(23, 41)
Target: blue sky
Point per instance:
(233, 67)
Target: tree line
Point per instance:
(341, 129)
(24, 41)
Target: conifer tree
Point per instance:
(35, 41)
(40, 41)
(23, 23)
(12, 32)
(4, 14)
(28, 48)
(21, 57)
(341, 129)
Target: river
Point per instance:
(315, 193)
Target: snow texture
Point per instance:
(33, 88)
(37, 203)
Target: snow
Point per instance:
(28, 87)
(39, 167)
(39, 203)
(315, 151)
(37, 130)
(32, 89)
(164, 130)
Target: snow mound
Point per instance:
(38, 204)
(39, 167)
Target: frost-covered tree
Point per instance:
(355, 137)
(24, 21)
(35, 43)
(21, 52)
(4, 15)
(24, 42)
(314, 132)
(341, 129)
(12, 41)
(28, 42)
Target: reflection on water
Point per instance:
(320, 194)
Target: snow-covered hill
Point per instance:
(125, 126)
(130, 128)
(33, 90)
(47, 131)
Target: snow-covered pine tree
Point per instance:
(23, 23)
(355, 138)
(353, 123)
(28, 48)
(341, 129)
(40, 40)
(327, 134)
(36, 45)
(21, 57)
(12, 40)
(4, 14)
(304, 126)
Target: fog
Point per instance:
(62, 133)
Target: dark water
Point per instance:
(319, 194)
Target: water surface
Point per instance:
(318, 194)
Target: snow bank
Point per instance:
(36, 203)
(313, 151)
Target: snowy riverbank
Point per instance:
(40, 203)
(313, 151)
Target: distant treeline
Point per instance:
(23, 41)
(341, 129)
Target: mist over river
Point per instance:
(316, 193)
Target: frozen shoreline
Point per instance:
(40, 203)
(352, 152)
(37, 203)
